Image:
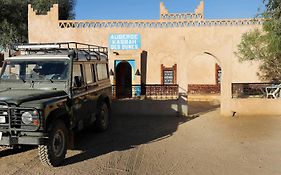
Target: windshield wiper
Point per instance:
(20, 77)
(23, 80)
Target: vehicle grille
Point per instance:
(4, 114)
(16, 118)
(11, 119)
(12, 116)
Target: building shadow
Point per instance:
(197, 108)
(160, 107)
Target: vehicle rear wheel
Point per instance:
(53, 153)
(102, 119)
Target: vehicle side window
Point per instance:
(102, 71)
(89, 75)
(78, 78)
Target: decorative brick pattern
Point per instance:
(204, 89)
(157, 23)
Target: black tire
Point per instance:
(102, 118)
(53, 153)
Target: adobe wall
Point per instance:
(203, 62)
(168, 41)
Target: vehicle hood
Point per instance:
(19, 96)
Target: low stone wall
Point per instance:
(256, 106)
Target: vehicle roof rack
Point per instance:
(90, 50)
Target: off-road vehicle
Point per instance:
(50, 91)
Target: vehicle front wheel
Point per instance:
(53, 153)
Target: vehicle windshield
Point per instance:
(33, 70)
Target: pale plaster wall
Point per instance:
(40, 25)
(207, 66)
(167, 46)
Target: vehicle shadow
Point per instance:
(126, 132)
(6, 151)
(131, 130)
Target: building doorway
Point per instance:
(123, 80)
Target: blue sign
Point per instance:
(124, 41)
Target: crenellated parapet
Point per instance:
(163, 9)
(197, 15)
(200, 9)
(181, 16)
(52, 13)
(41, 22)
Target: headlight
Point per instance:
(26, 118)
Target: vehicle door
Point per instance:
(79, 99)
(92, 90)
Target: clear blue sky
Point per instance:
(149, 9)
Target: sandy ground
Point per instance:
(206, 145)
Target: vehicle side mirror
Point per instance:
(78, 81)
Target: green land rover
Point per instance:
(51, 91)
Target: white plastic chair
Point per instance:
(273, 91)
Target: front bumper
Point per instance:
(22, 140)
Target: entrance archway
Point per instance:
(124, 80)
(204, 72)
(204, 75)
